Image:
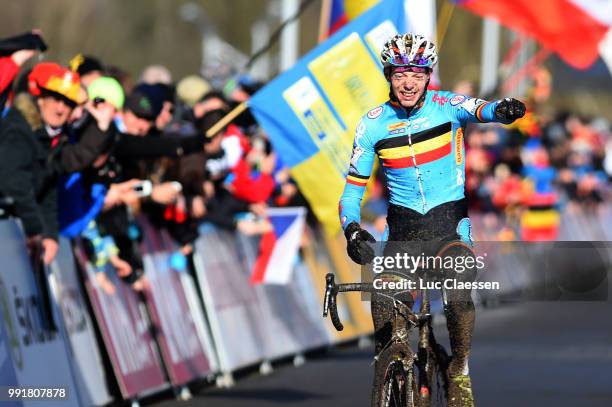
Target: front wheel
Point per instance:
(394, 378)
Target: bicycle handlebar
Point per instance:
(330, 305)
(329, 300)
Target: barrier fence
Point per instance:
(190, 322)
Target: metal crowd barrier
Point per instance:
(181, 328)
(189, 325)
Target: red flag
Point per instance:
(573, 29)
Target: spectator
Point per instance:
(27, 134)
(137, 115)
(162, 102)
(191, 89)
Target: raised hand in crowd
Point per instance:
(122, 193)
(22, 56)
(102, 112)
(50, 248)
(198, 207)
(165, 193)
(201, 108)
(141, 284)
(104, 282)
(251, 227)
(122, 267)
(259, 209)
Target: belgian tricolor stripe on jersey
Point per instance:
(428, 145)
(356, 179)
(479, 111)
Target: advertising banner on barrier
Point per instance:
(125, 329)
(85, 354)
(180, 343)
(231, 303)
(280, 319)
(251, 323)
(311, 111)
(39, 357)
(201, 324)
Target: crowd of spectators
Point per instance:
(568, 154)
(530, 173)
(86, 150)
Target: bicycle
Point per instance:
(397, 383)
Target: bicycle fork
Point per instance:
(429, 353)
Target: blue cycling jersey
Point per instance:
(422, 153)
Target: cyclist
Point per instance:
(418, 137)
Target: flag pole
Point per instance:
(443, 20)
(489, 56)
(324, 19)
(225, 120)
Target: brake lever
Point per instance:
(329, 303)
(329, 288)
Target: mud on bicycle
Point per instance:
(404, 377)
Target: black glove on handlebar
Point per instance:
(357, 247)
(509, 109)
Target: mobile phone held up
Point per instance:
(143, 188)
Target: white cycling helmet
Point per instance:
(409, 50)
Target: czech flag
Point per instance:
(279, 247)
(577, 30)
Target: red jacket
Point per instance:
(248, 188)
(8, 72)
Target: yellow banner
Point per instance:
(351, 80)
(324, 129)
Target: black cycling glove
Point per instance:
(357, 243)
(509, 109)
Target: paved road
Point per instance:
(529, 354)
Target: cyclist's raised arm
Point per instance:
(362, 160)
(473, 110)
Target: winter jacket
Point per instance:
(23, 170)
(31, 162)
